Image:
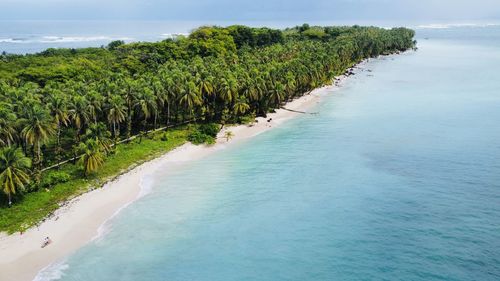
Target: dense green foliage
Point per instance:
(205, 133)
(64, 103)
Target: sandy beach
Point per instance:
(80, 221)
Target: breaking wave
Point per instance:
(146, 185)
(62, 39)
(55, 271)
(455, 25)
(52, 272)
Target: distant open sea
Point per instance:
(20, 37)
(397, 178)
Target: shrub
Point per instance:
(247, 119)
(210, 129)
(54, 178)
(164, 137)
(198, 137)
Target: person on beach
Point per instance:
(46, 242)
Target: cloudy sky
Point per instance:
(305, 10)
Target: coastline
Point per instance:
(83, 218)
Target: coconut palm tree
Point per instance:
(229, 89)
(240, 107)
(146, 106)
(117, 112)
(92, 157)
(168, 94)
(276, 95)
(7, 125)
(38, 127)
(79, 114)
(290, 85)
(13, 171)
(228, 135)
(101, 135)
(160, 96)
(59, 110)
(190, 97)
(206, 89)
(94, 104)
(130, 91)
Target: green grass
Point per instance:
(34, 207)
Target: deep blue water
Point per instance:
(397, 178)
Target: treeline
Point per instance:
(66, 102)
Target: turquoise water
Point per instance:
(397, 178)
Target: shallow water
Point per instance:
(397, 178)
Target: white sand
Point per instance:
(74, 225)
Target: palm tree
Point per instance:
(79, 114)
(101, 135)
(159, 95)
(290, 85)
(92, 157)
(13, 171)
(240, 107)
(146, 106)
(206, 90)
(168, 94)
(190, 97)
(130, 90)
(37, 130)
(59, 110)
(94, 105)
(276, 95)
(117, 112)
(228, 135)
(7, 125)
(229, 88)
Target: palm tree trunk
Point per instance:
(168, 114)
(114, 132)
(38, 161)
(58, 149)
(129, 126)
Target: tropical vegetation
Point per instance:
(70, 110)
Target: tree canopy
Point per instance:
(62, 102)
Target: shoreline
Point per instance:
(84, 218)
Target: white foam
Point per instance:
(173, 35)
(146, 186)
(63, 39)
(455, 25)
(54, 271)
(105, 227)
(70, 39)
(14, 40)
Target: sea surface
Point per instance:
(32, 36)
(396, 178)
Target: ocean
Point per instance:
(25, 36)
(396, 178)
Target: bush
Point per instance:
(164, 137)
(247, 119)
(198, 137)
(210, 129)
(53, 178)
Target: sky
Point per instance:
(258, 10)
